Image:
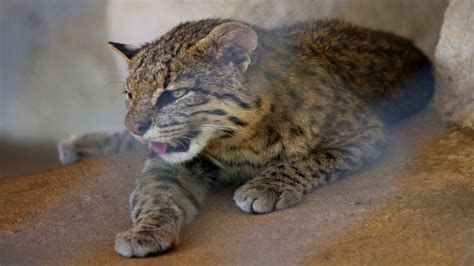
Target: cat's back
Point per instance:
(384, 69)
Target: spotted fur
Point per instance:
(281, 111)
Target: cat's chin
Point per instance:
(180, 157)
(195, 147)
(177, 157)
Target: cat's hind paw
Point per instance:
(68, 152)
(82, 145)
(144, 242)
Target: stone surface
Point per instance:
(454, 61)
(414, 206)
(418, 20)
(58, 76)
(21, 159)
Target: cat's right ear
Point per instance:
(127, 51)
(232, 42)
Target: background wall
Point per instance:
(454, 61)
(58, 76)
(57, 72)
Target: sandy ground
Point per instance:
(414, 206)
(21, 159)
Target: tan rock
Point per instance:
(454, 64)
(58, 76)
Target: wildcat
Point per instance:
(281, 111)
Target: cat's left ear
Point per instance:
(233, 42)
(127, 51)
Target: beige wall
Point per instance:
(58, 76)
(57, 73)
(454, 60)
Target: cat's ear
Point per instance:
(233, 42)
(127, 51)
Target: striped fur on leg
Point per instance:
(166, 197)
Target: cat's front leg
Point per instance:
(166, 197)
(82, 145)
(283, 184)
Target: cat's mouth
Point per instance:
(180, 144)
(164, 147)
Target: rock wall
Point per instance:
(418, 20)
(454, 64)
(57, 72)
(58, 76)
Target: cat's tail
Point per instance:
(411, 97)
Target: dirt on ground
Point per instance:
(22, 159)
(413, 206)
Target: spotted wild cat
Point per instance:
(281, 111)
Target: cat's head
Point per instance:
(187, 87)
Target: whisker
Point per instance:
(170, 130)
(179, 142)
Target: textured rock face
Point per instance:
(418, 20)
(454, 64)
(58, 75)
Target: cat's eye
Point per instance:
(179, 93)
(168, 97)
(127, 94)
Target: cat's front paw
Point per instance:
(262, 196)
(145, 242)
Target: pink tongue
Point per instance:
(159, 147)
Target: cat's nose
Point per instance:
(139, 128)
